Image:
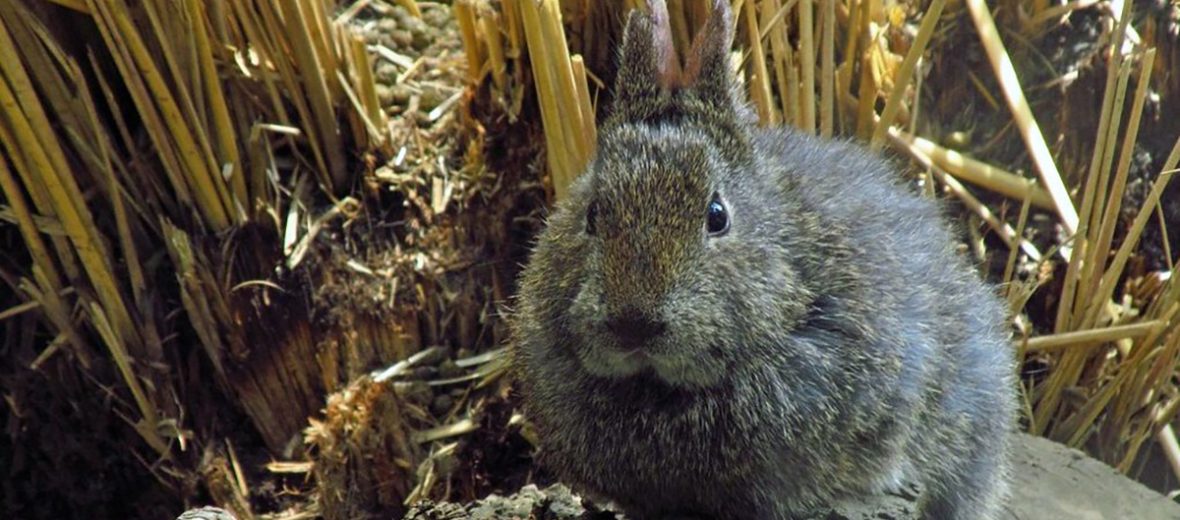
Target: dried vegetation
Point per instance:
(222, 221)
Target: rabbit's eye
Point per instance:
(717, 217)
(591, 218)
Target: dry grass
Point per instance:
(139, 162)
(162, 179)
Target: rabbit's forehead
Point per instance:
(649, 192)
(653, 161)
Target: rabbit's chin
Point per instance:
(677, 370)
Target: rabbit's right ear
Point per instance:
(648, 63)
(708, 70)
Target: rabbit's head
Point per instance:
(673, 256)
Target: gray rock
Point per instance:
(1050, 482)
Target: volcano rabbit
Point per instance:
(725, 321)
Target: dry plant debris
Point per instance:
(215, 216)
(221, 219)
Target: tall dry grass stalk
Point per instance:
(183, 123)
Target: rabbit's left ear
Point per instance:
(708, 71)
(648, 62)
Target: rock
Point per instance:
(448, 369)
(432, 96)
(401, 94)
(1054, 482)
(386, 25)
(207, 513)
(884, 507)
(1050, 482)
(552, 503)
(402, 38)
(428, 510)
(385, 73)
(441, 405)
(384, 95)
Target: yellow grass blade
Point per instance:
(760, 81)
(1010, 265)
(1084, 338)
(303, 22)
(568, 149)
(35, 139)
(807, 65)
(1010, 85)
(490, 30)
(155, 100)
(905, 72)
(58, 312)
(977, 172)
(1100, 295)
(29, 230)
(122, 359)
(827, 76)
(223, 126)
(1014, 240)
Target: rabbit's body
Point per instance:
(825, 342)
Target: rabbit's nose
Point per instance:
(635, 329)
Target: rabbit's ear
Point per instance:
(708, 70)
(648, 60)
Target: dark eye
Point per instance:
(717, 217)
(591, 218)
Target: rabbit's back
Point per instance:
(931, 312)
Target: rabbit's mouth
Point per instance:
(623, 361)
(637, 355)
(616, 360)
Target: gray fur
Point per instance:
(832, 343)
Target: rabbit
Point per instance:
(729, 321)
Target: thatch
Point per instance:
(194, 185)
(226, 215)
